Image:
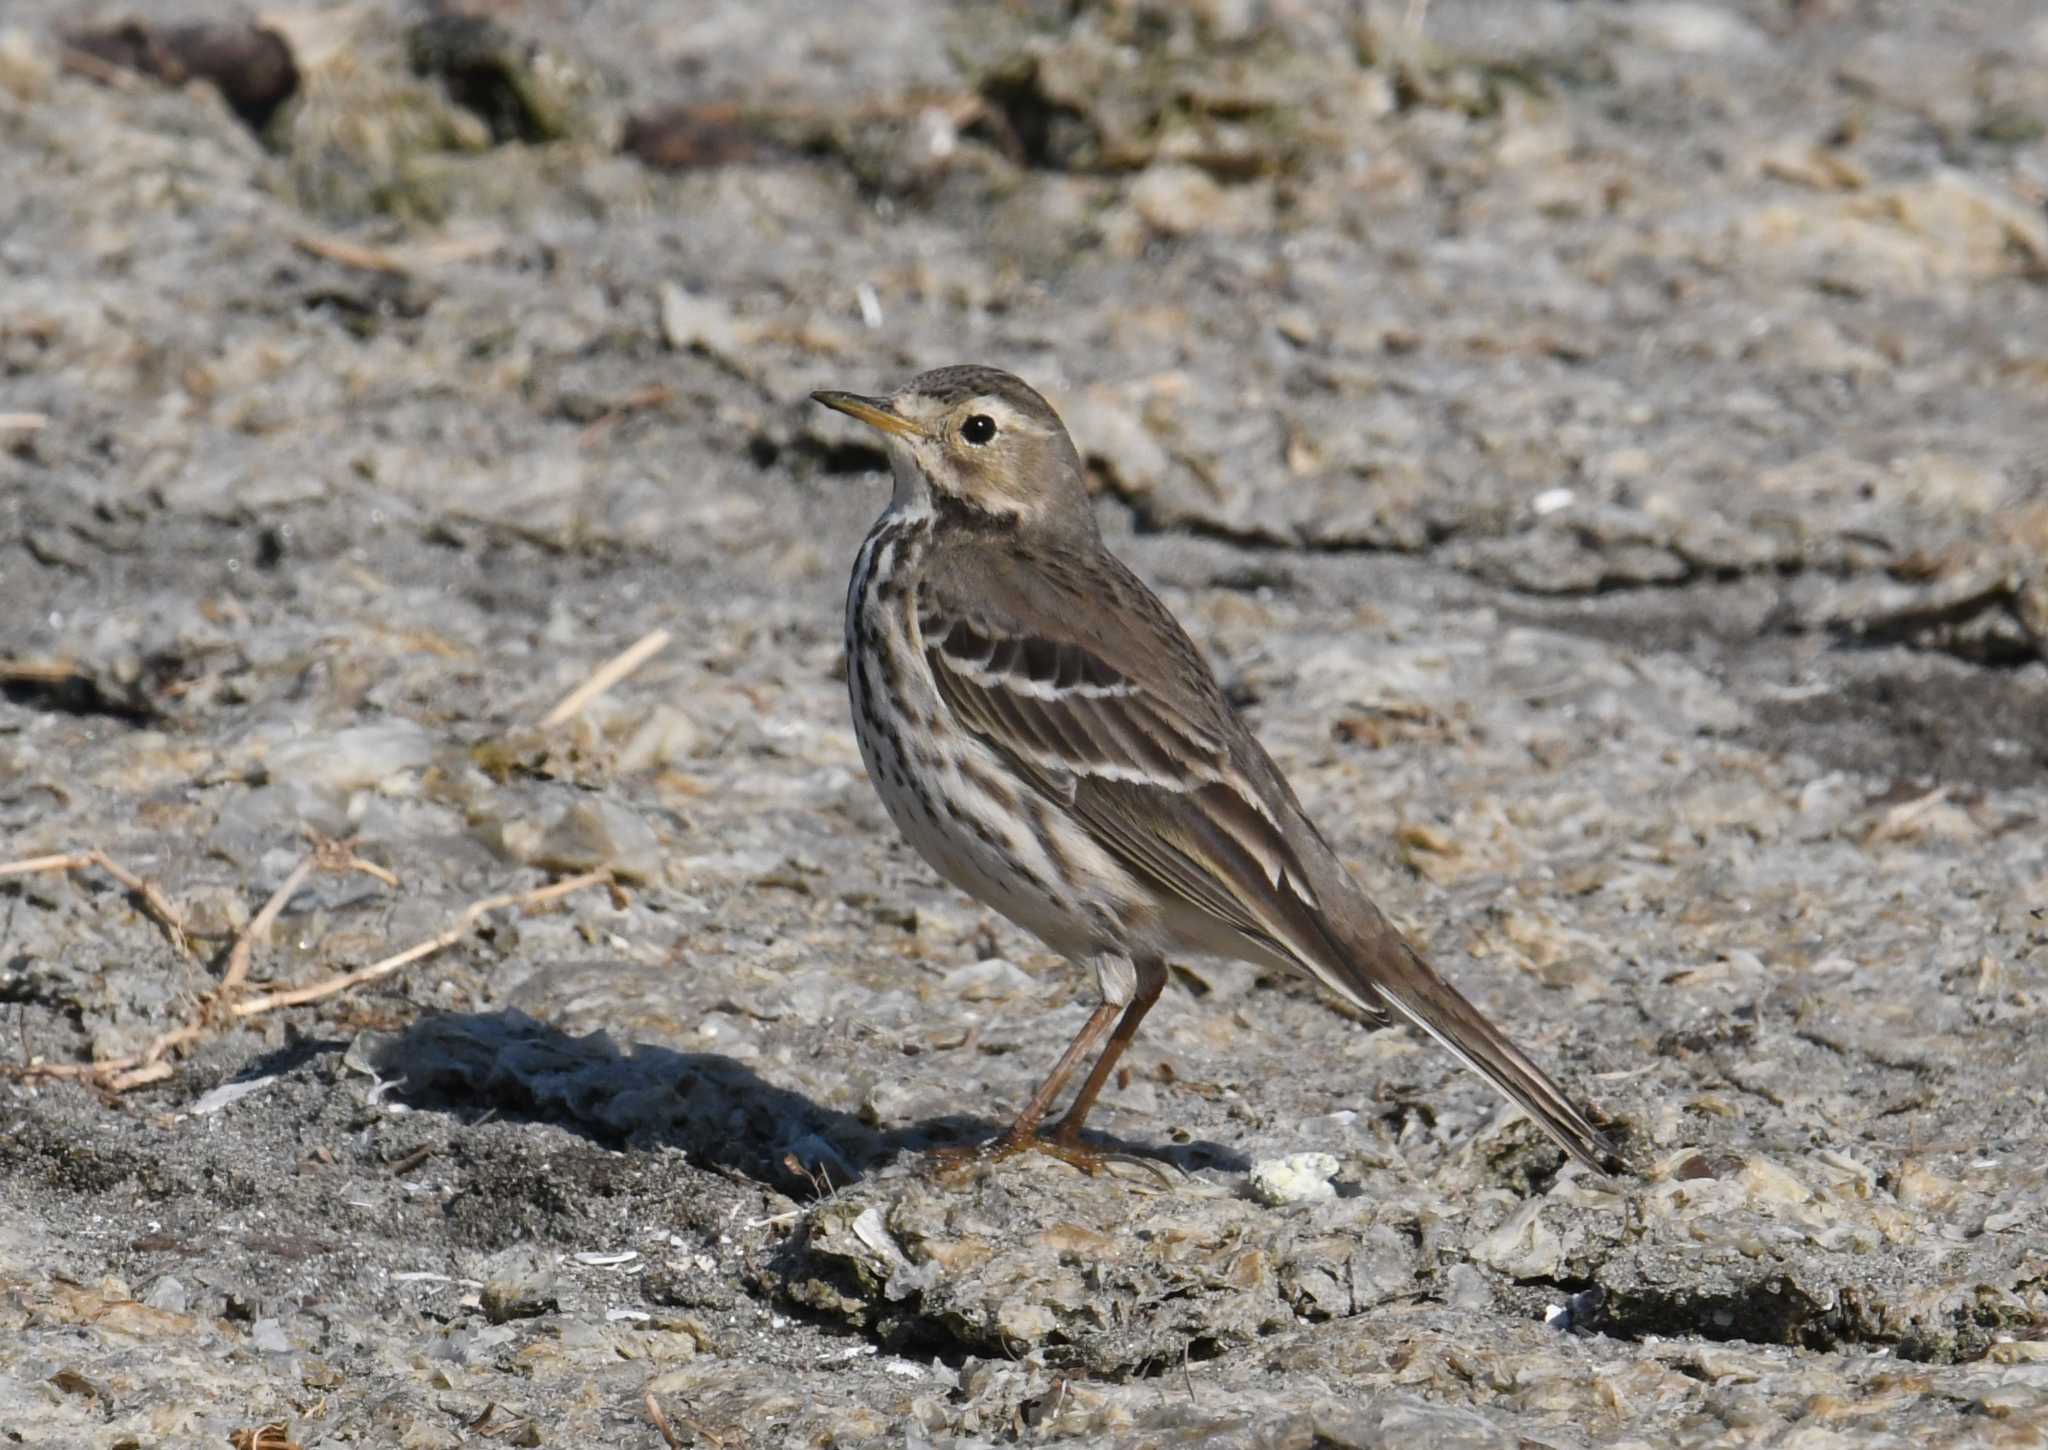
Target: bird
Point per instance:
(1043, 731)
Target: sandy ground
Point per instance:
(1602, 445)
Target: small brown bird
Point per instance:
(1048, 737)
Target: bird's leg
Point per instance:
(1130, 986)
(1151, 980)
(1023, 1133)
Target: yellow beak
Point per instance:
(875, 412)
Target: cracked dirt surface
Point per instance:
(1600, 443)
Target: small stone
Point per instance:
(517, 1285)
(1524, 1247)
(425, 1435)
(1691, 29)
(363, 757)
(2018, 1351)
(579, 833)
(1024, 1321)
(2012, 1402)
(692, 322)
(168, 1294)
(1297, 1178)
(215, 911)
(597, 832)
(1183, 200)
(1769, 1183)
(665, 738)
(25, 71)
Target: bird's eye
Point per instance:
(979, 429)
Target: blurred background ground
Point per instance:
(1602, 445)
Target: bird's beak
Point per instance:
(875, 412)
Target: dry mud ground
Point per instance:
(1603, 445)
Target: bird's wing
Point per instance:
(1116, 730)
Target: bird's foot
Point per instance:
(955, 1163)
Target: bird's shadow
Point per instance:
(716, 1109)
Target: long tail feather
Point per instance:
(1376, 966)
(1443, 1012)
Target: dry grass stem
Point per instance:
(667, 1431)
(275, 1436)
(350, 254)
(652, 396)
(328, 856)
(114, 77)
(39, 672)
(225, 1004)
(606, 675)
(153, 900)
(397, 262)
(471, 914)
(142, 1076)
(661, 1425)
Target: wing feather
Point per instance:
(1156, 792)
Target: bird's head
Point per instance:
(978, 442)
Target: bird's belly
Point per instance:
(975, 842)
(955, 800)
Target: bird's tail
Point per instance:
(1377, 964)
